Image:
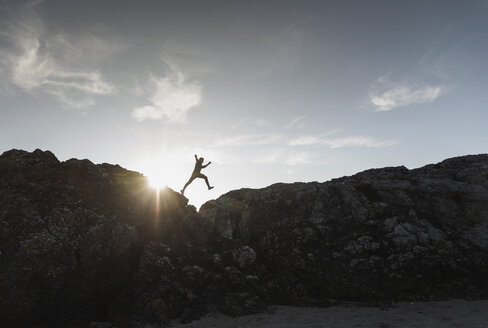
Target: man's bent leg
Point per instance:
(203, 176)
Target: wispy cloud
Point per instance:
(40, 62)
(248, 123)
(386, 95)
(403, 96)
(284, 141)
(173, 98)
(305, 141)
(296, 122)
(351, 141)
(284, 156)
(248, 140)
(312, 140)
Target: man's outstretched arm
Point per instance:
(196, 158)
(207, 164)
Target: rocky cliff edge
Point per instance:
(81, 242)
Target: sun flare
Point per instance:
(161, 172)
(157, 181)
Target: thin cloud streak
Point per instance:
(283, 140)
(248, 140)
(284, 156)
(359, 142)
(249, 123)
(312, 140)
(295, 121)
(352, 141)
(305, 141)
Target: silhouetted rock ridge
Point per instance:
(389, 233)
(81, 242)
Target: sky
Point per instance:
(268, 91)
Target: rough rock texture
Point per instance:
(83, 243)
(71, 235)
(389, 233)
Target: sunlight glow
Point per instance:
(161, 171)
(172, 169)
(157, 181)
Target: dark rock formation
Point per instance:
(88, 243)
(83, 243)
(71, 235)
(382, 234)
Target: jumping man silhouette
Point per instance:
(196, 173)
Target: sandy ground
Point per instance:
(444, 314)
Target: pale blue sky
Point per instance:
(274, 91)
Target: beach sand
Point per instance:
(442, 314)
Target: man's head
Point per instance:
(200, 159)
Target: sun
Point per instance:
(161, 171)
(156, 180)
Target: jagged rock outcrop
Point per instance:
(381, 234)
(71, 235)
(84, 243)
